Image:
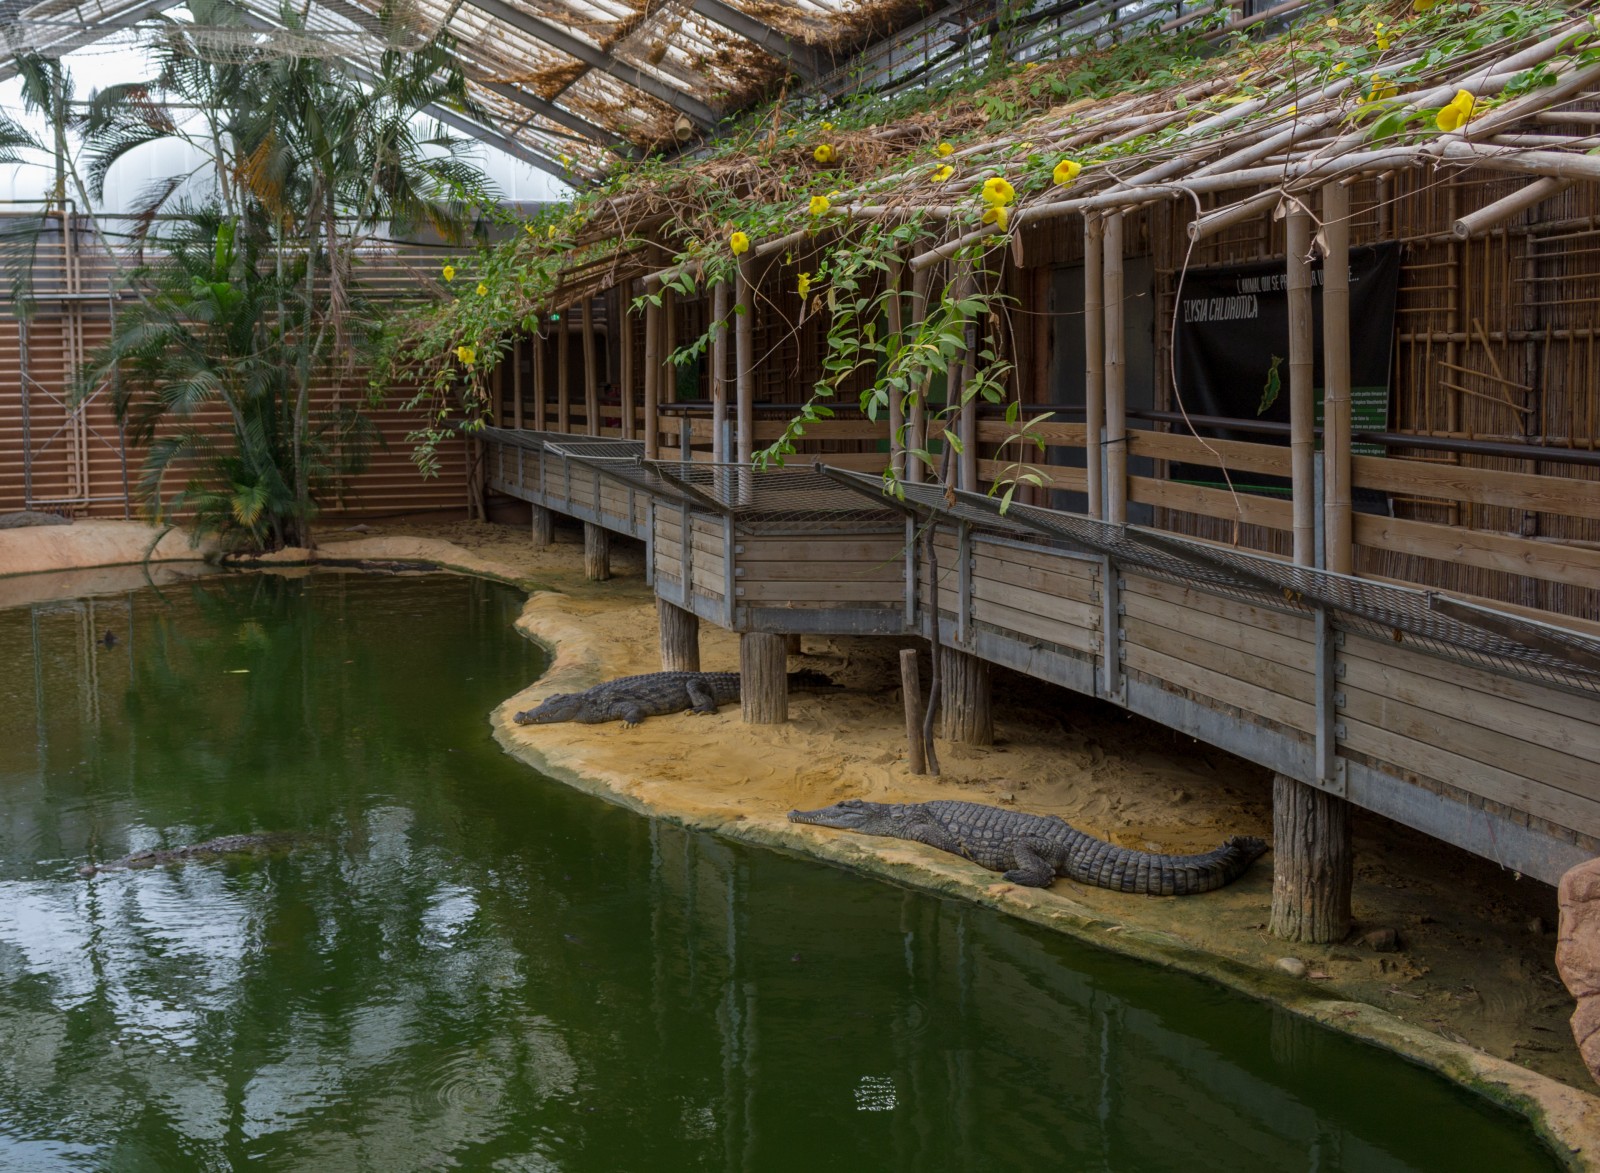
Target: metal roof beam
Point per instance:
(369, 21)
(802, 59)
(557, 38)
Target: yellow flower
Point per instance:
(1457, 113)
(1066, 171)
(448, 272)
(944, 150)
(1332, 22)
(482, 289)
(997, 215)
(550, 232)
(997, 193)
(1340, 68)
(528, 228)
(739, 243)
(942, 172)
(1382, 88)
(1380, 37)
(804, 284)
(819, 205)
(824, 153)
(467, 355)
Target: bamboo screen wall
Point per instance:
(75, 458)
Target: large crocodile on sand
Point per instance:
(630, 699)
(1033, 850)
(156, 857)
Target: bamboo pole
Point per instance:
(1502, 210)
(1116, 443)
(516, 383)
(1094, 349)
(1340, 553)
(719, 373)
(967, 410)
(895, 324)
(744, 360)
(1302, 394)
(652, 381)
(563, 374)
(916, 471)
(625, 375)
(540, 382)
(591, 387)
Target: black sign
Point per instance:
(1232, 349)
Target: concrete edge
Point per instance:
(1565, 1118)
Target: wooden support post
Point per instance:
(516, 383)
(895, 324)
(541, 419)
(964, 709)
(744, 360)
(1311, 863)
(563, 375)
(792, 645)
(911, 689)
(1094, 350)
(1302, 397)
(1116, 424)
(763, 678)
(916, 471)
(680, 637)
(591, 384)
(652, 382)
(625, 374)
(1339, 554)
(544, 527)
(596, 552)
(719, 373)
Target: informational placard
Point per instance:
(1232, 350)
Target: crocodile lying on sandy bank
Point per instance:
(212, 848)
(630, 699)
(1033, 850)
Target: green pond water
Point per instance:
(465, 965)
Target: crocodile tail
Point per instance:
(1107, 866)
(806, 678)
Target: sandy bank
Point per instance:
(85, 544)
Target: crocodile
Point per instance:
(630, 699)
(156, 857)
(1033, 850)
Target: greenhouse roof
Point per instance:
(568, 84)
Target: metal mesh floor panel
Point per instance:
(1481, 636)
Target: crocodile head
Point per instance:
(853, 814)
(564, 706)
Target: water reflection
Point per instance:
(460, 966)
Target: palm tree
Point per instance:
(253, 293)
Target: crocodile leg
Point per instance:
(1030, 868)
(702, 699)
(632, 714)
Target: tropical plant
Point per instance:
(250, 297)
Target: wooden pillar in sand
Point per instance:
(563, 375)
(596, 552)
(1312, 863)
(544, 527)
(591, 384)
(763, 678)
(1116, 393)
(965, 712)
(680, 637)
(1094, 350)
(516, 383)
(652, 381)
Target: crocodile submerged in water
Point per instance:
(156, 857)
(1033, 850)
(630, 699)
